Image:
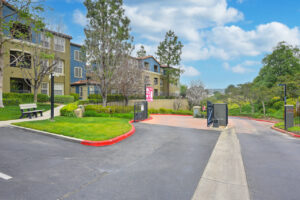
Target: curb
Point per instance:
(286, 132)
(67, 138)
(113, 140)
(260, 120)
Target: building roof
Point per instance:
(74, 44)
(145, 57)
(85, 82)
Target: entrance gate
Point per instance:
(140, 110)
(217, 114)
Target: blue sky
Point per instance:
(224, 40)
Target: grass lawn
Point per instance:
(87, 128)
(14, 112)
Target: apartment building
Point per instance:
(16, 77)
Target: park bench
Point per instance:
(29, 110)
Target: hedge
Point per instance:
(64, 99)
(110, 97)
(26, 97)
(109, 109)
(11, 102)
(170, 111)
(75, 95)
(68, 110)
(92, 113)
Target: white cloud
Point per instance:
(79, 18)
(190, 71)
(150, 49)
(241, 68)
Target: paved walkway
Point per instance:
(46, 115)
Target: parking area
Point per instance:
(157, 162)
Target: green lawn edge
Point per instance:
(87, 128)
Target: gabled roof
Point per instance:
(145, 57)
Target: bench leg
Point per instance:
(41, 114)
(29, 115)
(35, 115)
(22, 116)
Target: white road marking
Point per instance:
(4, 176)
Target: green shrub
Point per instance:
(110, 98)
(68, 110)
(83, 102)
(109, 109)
(95, 101)
(23, 97)
(42, 98)
(64, 99)
(11, 102)
(93, 113)
(75, 95)
(278, 105)
(170, 111)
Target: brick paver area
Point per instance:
(178, 121)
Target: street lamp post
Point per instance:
(52, 96)
(284, 85)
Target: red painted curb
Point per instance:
(113, 140)
(261, 120)
(172, 114)
(287, 132)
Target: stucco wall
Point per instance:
(164, 103)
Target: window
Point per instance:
(59, 44)
(19, 85)
(155, 92)
(58, 89)
(155, 81)
(146, 66)
(45, 41)
(161, 82)
(155, 68)
(80, 91)
(45, 88)
(92, 89)
(59, 69)
(20, 31)
(77, 72)
(19, 59)
(77, 55)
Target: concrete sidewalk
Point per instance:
(224, 177)
(46, 115)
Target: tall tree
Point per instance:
(20, 12)
(107, 40)
(141, 52)
(284, 60)
(128, 78)
(44, 60)
(195, 93)
(169, 53)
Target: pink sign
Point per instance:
(203, 108)
(149, 94)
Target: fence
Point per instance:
(297, 114)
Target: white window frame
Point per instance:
(59, 68)
(59, 44)
(45, 88)
(59, 87)
(45, 40)
(92, 89)
(76, 72)
(77, 55)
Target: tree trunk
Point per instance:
(240, 108)
(168, 86)
(252, 108)
(1, 76)
(126, 100)
(104, 100)
(35, 93)
(264, 108)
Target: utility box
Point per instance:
(221, 113)
(196, 111)
(289, 116)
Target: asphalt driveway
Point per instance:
(157, 162)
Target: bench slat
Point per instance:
(28, 106)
